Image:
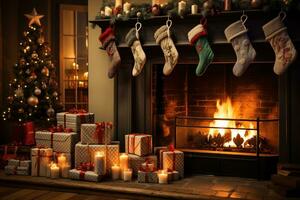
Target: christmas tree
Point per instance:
(33, 92)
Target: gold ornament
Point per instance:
(155, 10)
(19, 92)
(22, 61)
(33, 101)
(37, 91)
(44, 86)
(34, 17)
(27, 48)
(41, 40)
(45, 71)
(207, 5)
(10, 99)
(50, 112)
(33, 76)
(55, 94)
(20, 110)
(256, 3)
(34, 55)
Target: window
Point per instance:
(74, 56)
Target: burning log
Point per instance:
(238, 141)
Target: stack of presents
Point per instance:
(80, 149)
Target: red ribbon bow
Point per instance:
(100, 131)
(77, 111)
(60, 129)
(86, 166)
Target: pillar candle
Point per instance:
(99, 161)
(194, 9)
(181, 6)
(126, 7)
(65, 171)
(115, 171)
(61, 160)
(107, 11)
(162, 177)
(54, 170)
(49, 169)
(124, 161)
(118, 3)
(127, 174)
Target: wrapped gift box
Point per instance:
(158, 152)
(10, 169)
(135, 162)
(74, 120)
(23, 171)
(173, 161)
(25, 163)
(40, 158)
(86, 153)
(59, 142)
(84, 175)
(98, 133)
(13, 162)
(138, 144)
(147, 177)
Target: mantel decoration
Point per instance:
(115, 11)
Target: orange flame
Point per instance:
(227, 110)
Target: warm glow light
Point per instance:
(226, 110)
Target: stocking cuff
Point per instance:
(235, 29)
(161, 37)
(196, 32)
(197, 36)
(273, 27)
(160, 31)
(107, 40)
(131, 37)
(105, 34)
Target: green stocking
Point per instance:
(206, 55)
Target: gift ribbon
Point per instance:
(99, 132)
(131, 146)
(57, 129)
(161, 151)
(39, 156)
(81, 175)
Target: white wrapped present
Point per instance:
(135, 162)
(25, 163)
(86, 153)
(60, 142)
(147, 177)
(23, 171)
(10, 169)
(40, 158)
(138, 144)
(84, 175)
(74, 119)
(13, 162)
(97, 133)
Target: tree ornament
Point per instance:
(207, 5)
(21, 110)
(55, 94)
(155, 10)
(45, 71)
(41, 40)
(19, 92)
(37, 91)
(33, 76)
(34, 55)
(256, 4)
(44, 86)
(22, 62)
(26, 49)
(139, 14)
(34, 17)
(50, 112)
(32, 100)
(10, 99)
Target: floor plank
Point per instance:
(18, 195)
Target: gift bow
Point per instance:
(100, 131)
(60, 129)
(86, 166)
(147, 168)
(76, 111)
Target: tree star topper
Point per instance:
(34, 17)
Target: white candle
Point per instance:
(54, 171)
(107, 11)
(65, 171)
(124, 161)
(100, 168)
(115, 171)
(194, 9)
(61, 160)
(118, 3)
(162, 177)
(126, 7)
(127, 174)
(181, 6)
(49, 169)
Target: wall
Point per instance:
(101, 88)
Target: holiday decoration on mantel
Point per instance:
(33, 91)
(181, 8)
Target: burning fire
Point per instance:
(233, 137)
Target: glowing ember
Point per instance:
(235, 137)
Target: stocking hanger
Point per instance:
(244, 18)
(282, 15)
(138, 26)
(168, 24)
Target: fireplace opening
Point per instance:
(217, 112)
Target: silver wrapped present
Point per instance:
(97, 133)
(25, 163)
(13, 162)
(84, 175)
(23, 171)
(74, 120)
(147, 177)
(138, 144)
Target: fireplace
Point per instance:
(183, 109)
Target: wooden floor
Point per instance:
(11, 193)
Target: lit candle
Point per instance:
(61, 160)
(127, 174)
(124, 161)
(126, 7)
(181, 6)
(65, 171)
(194, 9)
(162, 177)
(48, 174)
(118, 3)
(54, 171)
(115, 171)
(100, 163)
(107, 11)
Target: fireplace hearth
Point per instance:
(165, 105)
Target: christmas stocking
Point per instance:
(197, 37)
(107, 39)
(236, 33)
(162, 37)
(138, 53)
(277, 35)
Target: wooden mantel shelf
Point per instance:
(216, 27)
